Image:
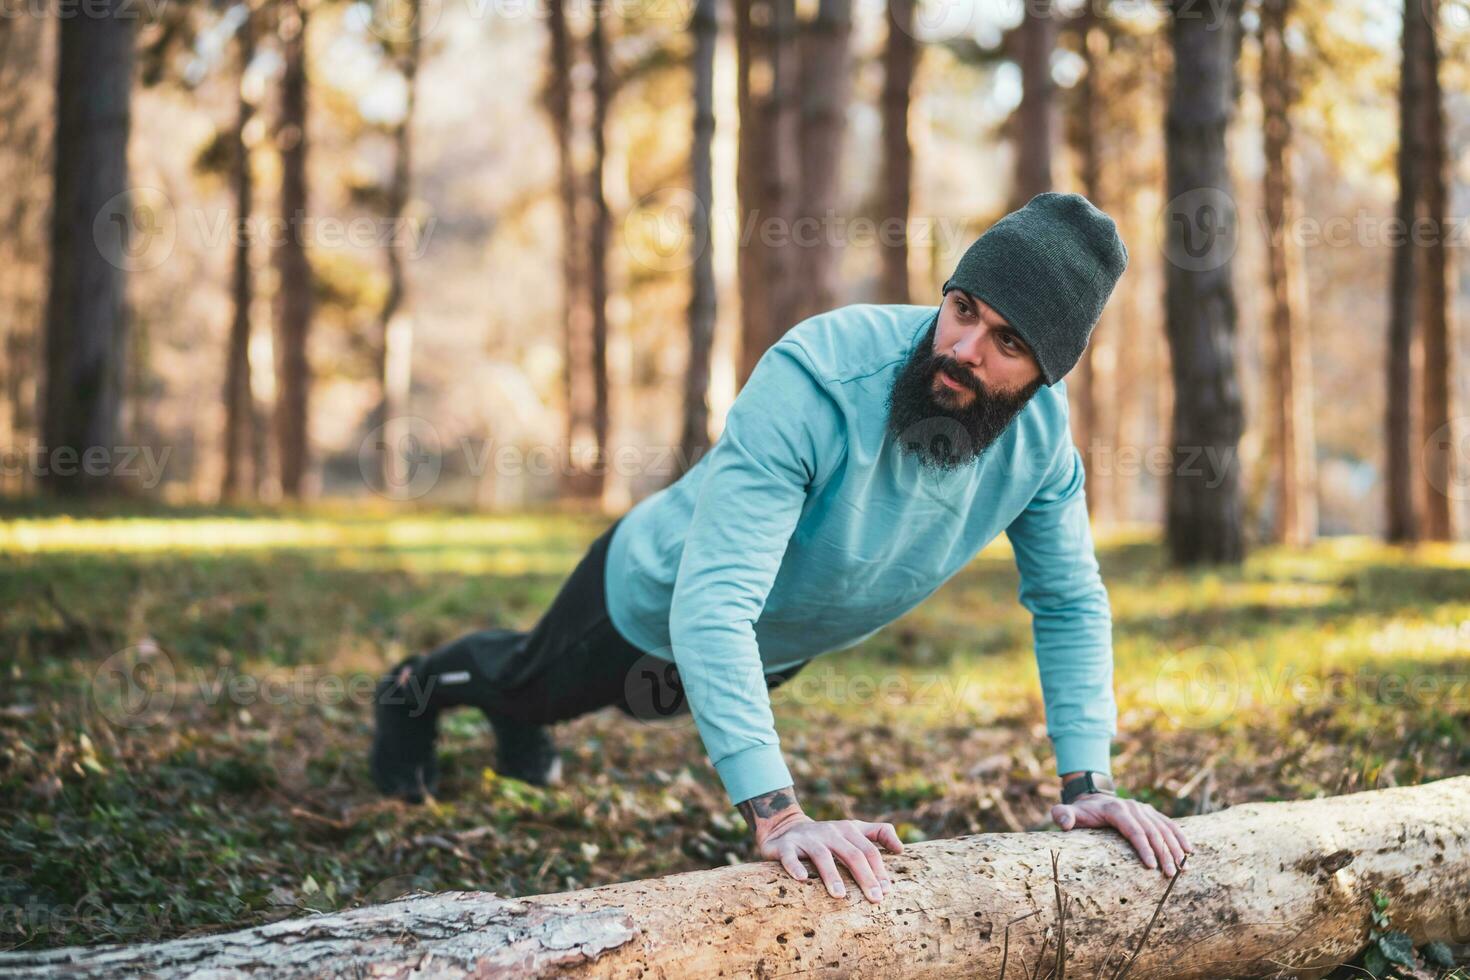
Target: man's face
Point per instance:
(965, 382)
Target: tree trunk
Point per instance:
(239, 448)
(95, 236)
(1440, 439)
(1272, 890)
(1092, 42)
(768, 174)
(900, 56)
(1399, 497)
(395, 328)
(576, 315)
(1034, 123)
(26, 117)
(750, 261)
(293, 269)
(1204, 520)
(694, 436)
(1294, 443)
(824, 87)
(596, 477)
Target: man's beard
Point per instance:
(941, 431)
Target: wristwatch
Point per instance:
(1088, 782)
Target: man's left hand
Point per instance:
(1159, 841)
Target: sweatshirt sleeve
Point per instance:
(783, 434)
(1071, 621)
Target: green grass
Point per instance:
(226, 785)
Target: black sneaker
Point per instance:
(402, 760)
(525, 752)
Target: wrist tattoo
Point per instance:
(767, 804)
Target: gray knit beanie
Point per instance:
(1049, 269)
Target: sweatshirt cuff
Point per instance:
(753, 771)
(1078, 752)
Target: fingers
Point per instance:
(885, 834)
(1130, 828)
(827, 870)
(862, 871)
(1173, 837)
(791, 861)
(1162, 854)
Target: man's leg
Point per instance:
(574, 661)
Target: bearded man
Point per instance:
(874, 450)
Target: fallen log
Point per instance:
(1272, 890)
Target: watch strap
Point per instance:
(1088, 782)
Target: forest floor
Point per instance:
(186, 711)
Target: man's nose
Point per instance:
(970, 349)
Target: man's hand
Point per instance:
(784, 833)
(1159, 841)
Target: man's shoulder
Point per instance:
(858, 340)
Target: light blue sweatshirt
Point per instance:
(804, 530)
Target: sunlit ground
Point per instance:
(185, 712)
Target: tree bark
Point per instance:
(900, 56)
(1272, 890)
(768, 171)
(395, 329)
(1204, 522)
(576, 314)
(1092, 43)
(95, 236)
(239, 448)
(293, 268)
(1034, 122)
(1440, 438)
(694, 436)
(1292, 431)
(595, 478)
(1402, 513)
(824, 92)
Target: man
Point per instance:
(872, 452)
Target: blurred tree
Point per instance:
(240, 450)
(403, 45)
(594, 479)
(1294, 447)
(824, 93)
(293, 300)
(95, 233)
(1204, 510)
(1091, 39)
(576, 314)
(694, 434)
(900, 58)
(1439, 437)
(1034, 124)
(1403, 517)
(25, 176)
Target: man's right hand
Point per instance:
(784, 833)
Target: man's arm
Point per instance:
(1072, 629)
(782, 435)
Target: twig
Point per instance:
(1056, 882)
(1005, 946)
(1123, 971)
(1041, 957)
